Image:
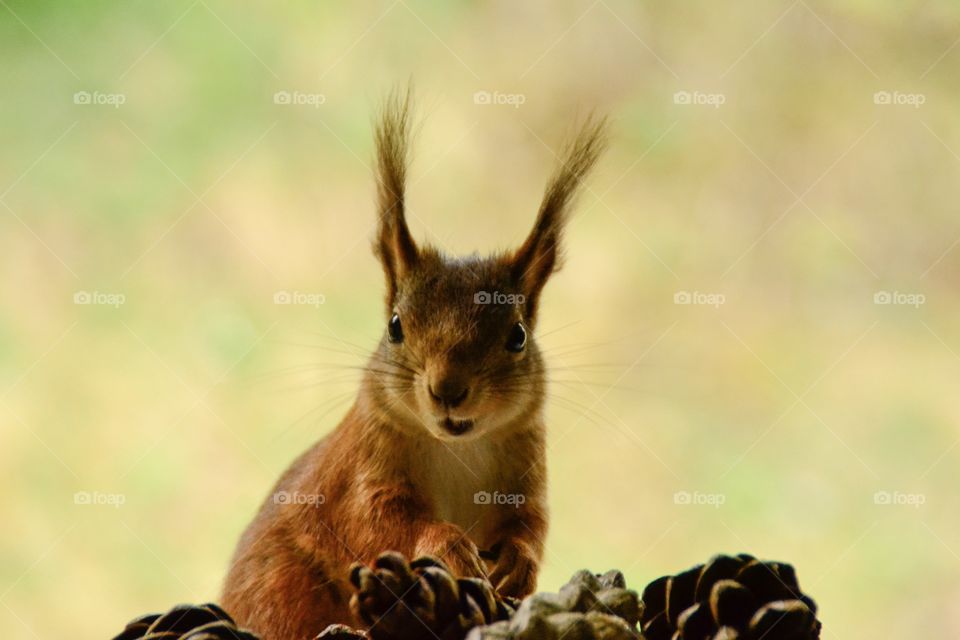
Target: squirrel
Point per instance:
(443, 451)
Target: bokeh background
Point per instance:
(789, 168)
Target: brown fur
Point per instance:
(390, 476)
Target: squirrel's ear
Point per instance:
(393, 244)
(539, 256)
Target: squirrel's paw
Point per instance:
(464, 558)
(515, 572)
(451, 544)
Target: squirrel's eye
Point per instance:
(394, 329)
(517, 339)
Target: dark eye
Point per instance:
(517, 339)
(395, 329)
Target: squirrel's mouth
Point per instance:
(456, 427)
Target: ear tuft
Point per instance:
(394, 245)
(539, 256)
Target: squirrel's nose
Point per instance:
(449, 393)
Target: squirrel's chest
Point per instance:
(457, 479)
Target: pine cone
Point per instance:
(185, 622)
(341, 632)
(588, 607)
(729, 597)
(422, 599)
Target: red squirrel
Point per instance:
(443, 451)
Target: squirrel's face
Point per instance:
(458, 356)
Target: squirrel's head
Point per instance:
(458, 355)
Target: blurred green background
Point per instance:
(786, 167)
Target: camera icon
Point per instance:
(882, 297)
(882, 97)
(82, 497)
(482, 497)
(482, 297)
(82, 297)
(682, 297)
(282, 497)
(482, 97)
(882, 497)
(682, 97)
(282, 97)
(282, 297)
(82, 97)
(682, 497)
